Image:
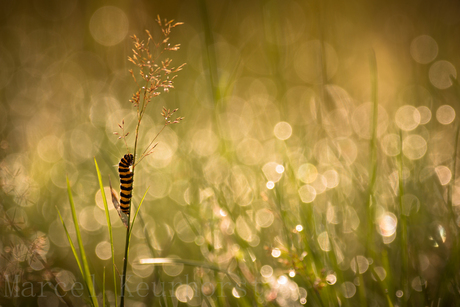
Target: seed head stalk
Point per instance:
(125, 259)
(155, 76)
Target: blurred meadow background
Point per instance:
(316, 164)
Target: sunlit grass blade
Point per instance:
(452, 265)
(161, 261)
(451, 185)
(137, 211)
(128, 238)
(72, 246)
(373, 155)
(87, 274)
(451, 188)
(103, 288)
(403, 222)
(210, 52)
(109, 226)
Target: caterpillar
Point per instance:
(126, 182)
(126, 187)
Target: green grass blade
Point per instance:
(403, 222)
(137, 211)
(373, 155)
(103, 288)
(109, 225)
(87, 274)
(161, 261)
(128, 239)
(72, 246)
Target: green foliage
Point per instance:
(305, 173)
(85, 269)
(109, 228)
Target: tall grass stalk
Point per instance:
(403, 229)
(373, 154)
(103, 288)
(109, 227)
(84, 267)
(129, 230)
(156, 76)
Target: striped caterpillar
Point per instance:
(126, 187)
(126, 182)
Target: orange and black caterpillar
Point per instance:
(126, 182)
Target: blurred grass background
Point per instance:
(274, 175)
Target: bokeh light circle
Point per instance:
(283, 131)
(307, 173)
(264, 218)
(391, 144)
(444, 174)
(381, 273)
(332, 178)
(407, 118)
(359, 263)
(307, 193)
(331, 279)
(323, 241)
(423, 49)
(276, 252)
(266, 271)
(440, 74)
(184, 293)
(109, 25)
(445, 114)
(173, 269)
(425, 115)
(270, 185)
(87, 218)
(414, 146)
(387, 224)
(50, 148)
(103, 250)
(271, 172)
(348, 289)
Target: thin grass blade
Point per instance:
(72, 246)
(87, 274)
(103, 288)
(137, 211)
(161, 261)
(109, 226)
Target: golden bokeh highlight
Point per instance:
(407, 118)
(423, 49)
(440, 74)
(109, 25)
(445, 114)
(275, 168)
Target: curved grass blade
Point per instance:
(109, 226)
(72, 246)
(161, 261)
(103, 288)
(87, 274)
(137, 211)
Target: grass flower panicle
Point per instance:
(156, 73)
